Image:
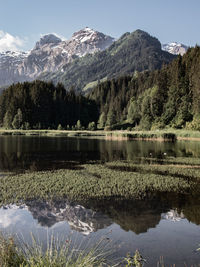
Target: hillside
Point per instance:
(133, 51)
(153, 100)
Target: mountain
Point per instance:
(50, 54)
(175, 48)
(9, 63)
(137, 51)
(88, 56)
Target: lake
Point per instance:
(167, 225)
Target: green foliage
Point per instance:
(126, 180)
(40, 105)
(92, 126)
(7, 120)
(57, 254)
(10, 256)
(60, 127)
(18, 120)
(195, 124)
(111, 117)
(169, 97)
(101, 121)
(134, 114)
(135, 261)
(78, 125)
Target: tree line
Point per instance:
(42, 105)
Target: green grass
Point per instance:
(99, 181)
(56, 254)
(93, 84)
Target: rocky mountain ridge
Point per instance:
(50, 54)
(136, 51)
(9, 66)
(53, 58)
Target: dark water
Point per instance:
(166, 226)
(19, 153)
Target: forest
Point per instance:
(149, 100)
(42, 105)
(169, 97)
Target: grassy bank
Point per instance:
(161, 135)
(98, 181)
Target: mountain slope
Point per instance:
(153, 100)
(50, 54)
(133, 51)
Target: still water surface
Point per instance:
(166, 226)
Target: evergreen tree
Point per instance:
(7, 120)
(18, 120)
(111, 117)
(102, 121)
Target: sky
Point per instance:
(22, 22)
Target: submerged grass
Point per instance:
(120, 179)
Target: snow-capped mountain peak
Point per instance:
(48, 39)
(51, 53)
(89, 35)
(175, 48)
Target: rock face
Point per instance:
(9, 67)
(50, 54)
(60, 60)
(175, 48)
(136, 51)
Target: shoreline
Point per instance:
(162, 135)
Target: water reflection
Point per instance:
(137, 216)
(158, 227)
(19, 153)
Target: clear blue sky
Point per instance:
(169, 20)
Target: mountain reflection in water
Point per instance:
(137, 216)
(157, 227)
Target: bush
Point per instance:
(194, 125)
(92, 126)
(59, 127)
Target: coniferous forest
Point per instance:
(144, 100)
(156, 99)
(41, 105)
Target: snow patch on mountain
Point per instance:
(48, 39)
(51, 53)
(175, 48)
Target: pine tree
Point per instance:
(101, 121)
(18, 120)
(7, 120)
